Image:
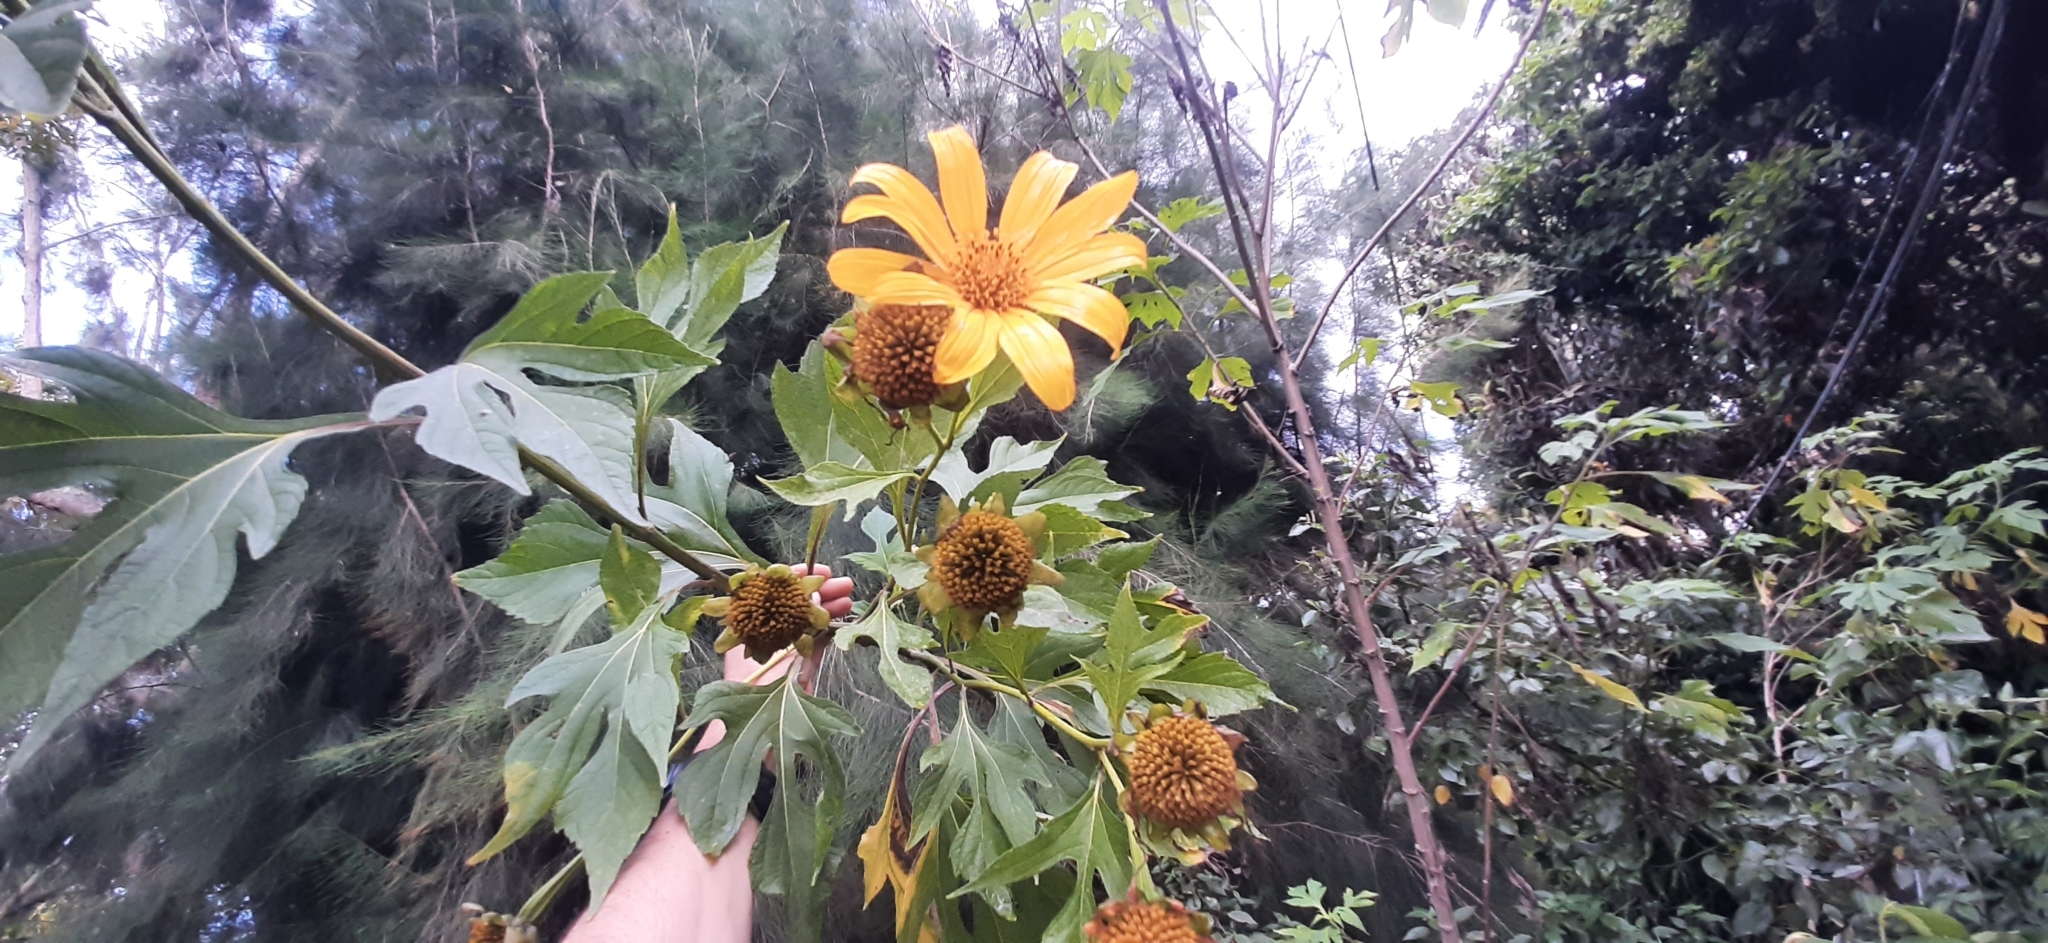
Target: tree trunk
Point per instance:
(31, 266)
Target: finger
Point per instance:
(713, 732)
(837, 607)
(837, 588)
(738, 667)
(811, 569)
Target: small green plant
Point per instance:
(1330, 923)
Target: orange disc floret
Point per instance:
(1183, 773)
(895, 349)
(485, 931)
(1141, 921)
(984, 561)
(770, 612)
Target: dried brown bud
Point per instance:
(1183, 773)
(895, 350)
(984, 561)
(1141, 921)
(769, 612)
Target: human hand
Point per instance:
(668, 889)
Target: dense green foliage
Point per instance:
(1707, 192)
(1713, 190)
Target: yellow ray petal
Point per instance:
(1098, 256)
(1088, 306)
(915, 199)
(1033, 195)
(913, 288)
(855, 270)
(930, 233)
(1041, 354)
(1081, 217)
(962, 183)
(968, 348)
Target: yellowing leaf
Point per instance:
(1441, 398)
(1443, 795)
(1611, 688)
(885, 852)
(2025, 623)
(887, 862)
(1504, 791)
(1698, 487)
(1367, 352)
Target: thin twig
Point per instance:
(1422, 189)
(1286, 458)
(96, 230)
(1430, 850)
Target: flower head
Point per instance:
(487, 927)
(1136, 920)
(1185, 788)
(769, 610)
(1000, 284)
(981, 563)
(893, 351)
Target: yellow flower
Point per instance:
(1001, 284)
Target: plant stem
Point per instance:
(1141, 863)
(646, 533)
(969, 678)
(1329, 514)
(543, 897)
(138, 142)
(101, 96)
(917, 491)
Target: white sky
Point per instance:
(115, 26)
(1416, 91)
(1435, 75)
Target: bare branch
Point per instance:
(1422, 189)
